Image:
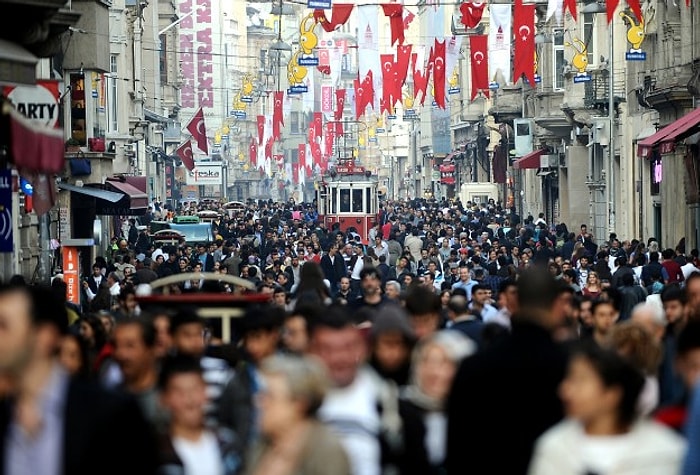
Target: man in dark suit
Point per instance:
(333, 267)
(50, 423)
(506, 395)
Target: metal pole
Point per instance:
(44, 274)
(611, 142)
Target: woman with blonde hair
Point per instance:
(293, 441)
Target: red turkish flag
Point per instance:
(388, 82)
(364, 94)
(199, 131)
(408, 18)
(610, 7)
(395, 13)
(185, 154)
(478, 46)
(329, 138)
(301, 154)
(438, 59)
(340, 13)
(318, 123)
(420, 79)
(571, 6)
(253, 152)
(403, 59)
(295, 173)
(339, 132)
(368, 87)
(261, 128)
(524, 33)
(339, 104)
(636, 8)
(472, 11)
(277, 115)
(268, 149)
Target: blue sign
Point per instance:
(494, 85)
(26, 187)
(584, 77)
(307, 61)
(391, 116)
(636, 56)
(381, 131)
(298, 89)
(6, 235)
(453, 90)
(325, 4)
(239, 114)
(247, 99)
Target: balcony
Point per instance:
(597, 91)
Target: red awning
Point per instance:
(531, 160)
(34, 147)
(667, 137)
(138, 200)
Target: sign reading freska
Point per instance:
(206, 173)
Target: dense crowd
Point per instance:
(451, 338)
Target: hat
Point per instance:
(140, 257)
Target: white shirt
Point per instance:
(202, 457)
(351, 412)
(688, 269)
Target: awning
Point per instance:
(110, 196)
(137, 199)
(667, 137)
(531, 160)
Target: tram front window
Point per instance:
(344, 201)
(357, 201)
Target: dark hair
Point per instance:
(615, 370)
(84, 370)
(262, 317)
(335, 317)
(421, 301)
(369, 271)
(185, 316)
(598, 302)
(673, 292)
(537, 289)
(688, 338)
(148, 330)
(174, 365)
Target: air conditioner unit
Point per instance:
(601, 131)
(524, 130)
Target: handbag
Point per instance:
(80, 166)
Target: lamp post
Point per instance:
(596, 8)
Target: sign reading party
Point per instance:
(196, 58)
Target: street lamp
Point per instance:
(596, 8)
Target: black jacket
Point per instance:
(103, 432)
(503, 398)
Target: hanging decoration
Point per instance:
(364, 94)
(478, 46)
(339, 104)
(635, 36)
(471, 11)
(437, 59)
(198, 130)
(277, 115)
(579, 60)
(296, 74)
(340, 13)
(421, 77)
(253, 152)
(307, 41)
(395, 13)
(184, 151)
(247, 90)
(524, 29)
(499, 49)
(261, 128)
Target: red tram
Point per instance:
(348, 195)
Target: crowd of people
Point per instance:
(452, 338)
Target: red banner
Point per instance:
(403, 59)
(329, 138)
(364, 94)
(447, 174)
(261, 128)
(318, 124)
(340, 13)
(301, 154)
(268, 149)
(478, 45)
(610, 7)
(326, 99)
(253, 152)
(339, 103)
(395, 13)
(524, 32)
(388, 82)
(184, 151)
(421, 77)
(277, 115)
(438, 60)
(472, 11)
(571, 6)
(199, 131)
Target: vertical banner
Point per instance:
(368, 47)
(6, 233)
(479, 55)
(499, 44)
(327, 99)
(524, 30)
(71, 273)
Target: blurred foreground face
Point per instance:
(277, 409)
(604, 317)
(434, 372)
(163, 340)
(184, 397)
(69, 355)
(189, 339)
(130, 352)
(583, 393)
(294, 336)
(688, 366)
(16, 339)
(391, 350)
(341, 350)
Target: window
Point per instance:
(588, 31)
(78, 118)
(112, 96)
(558, 60)
(163, 59)
(294, 125)
(357, 201)
(344, 201)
